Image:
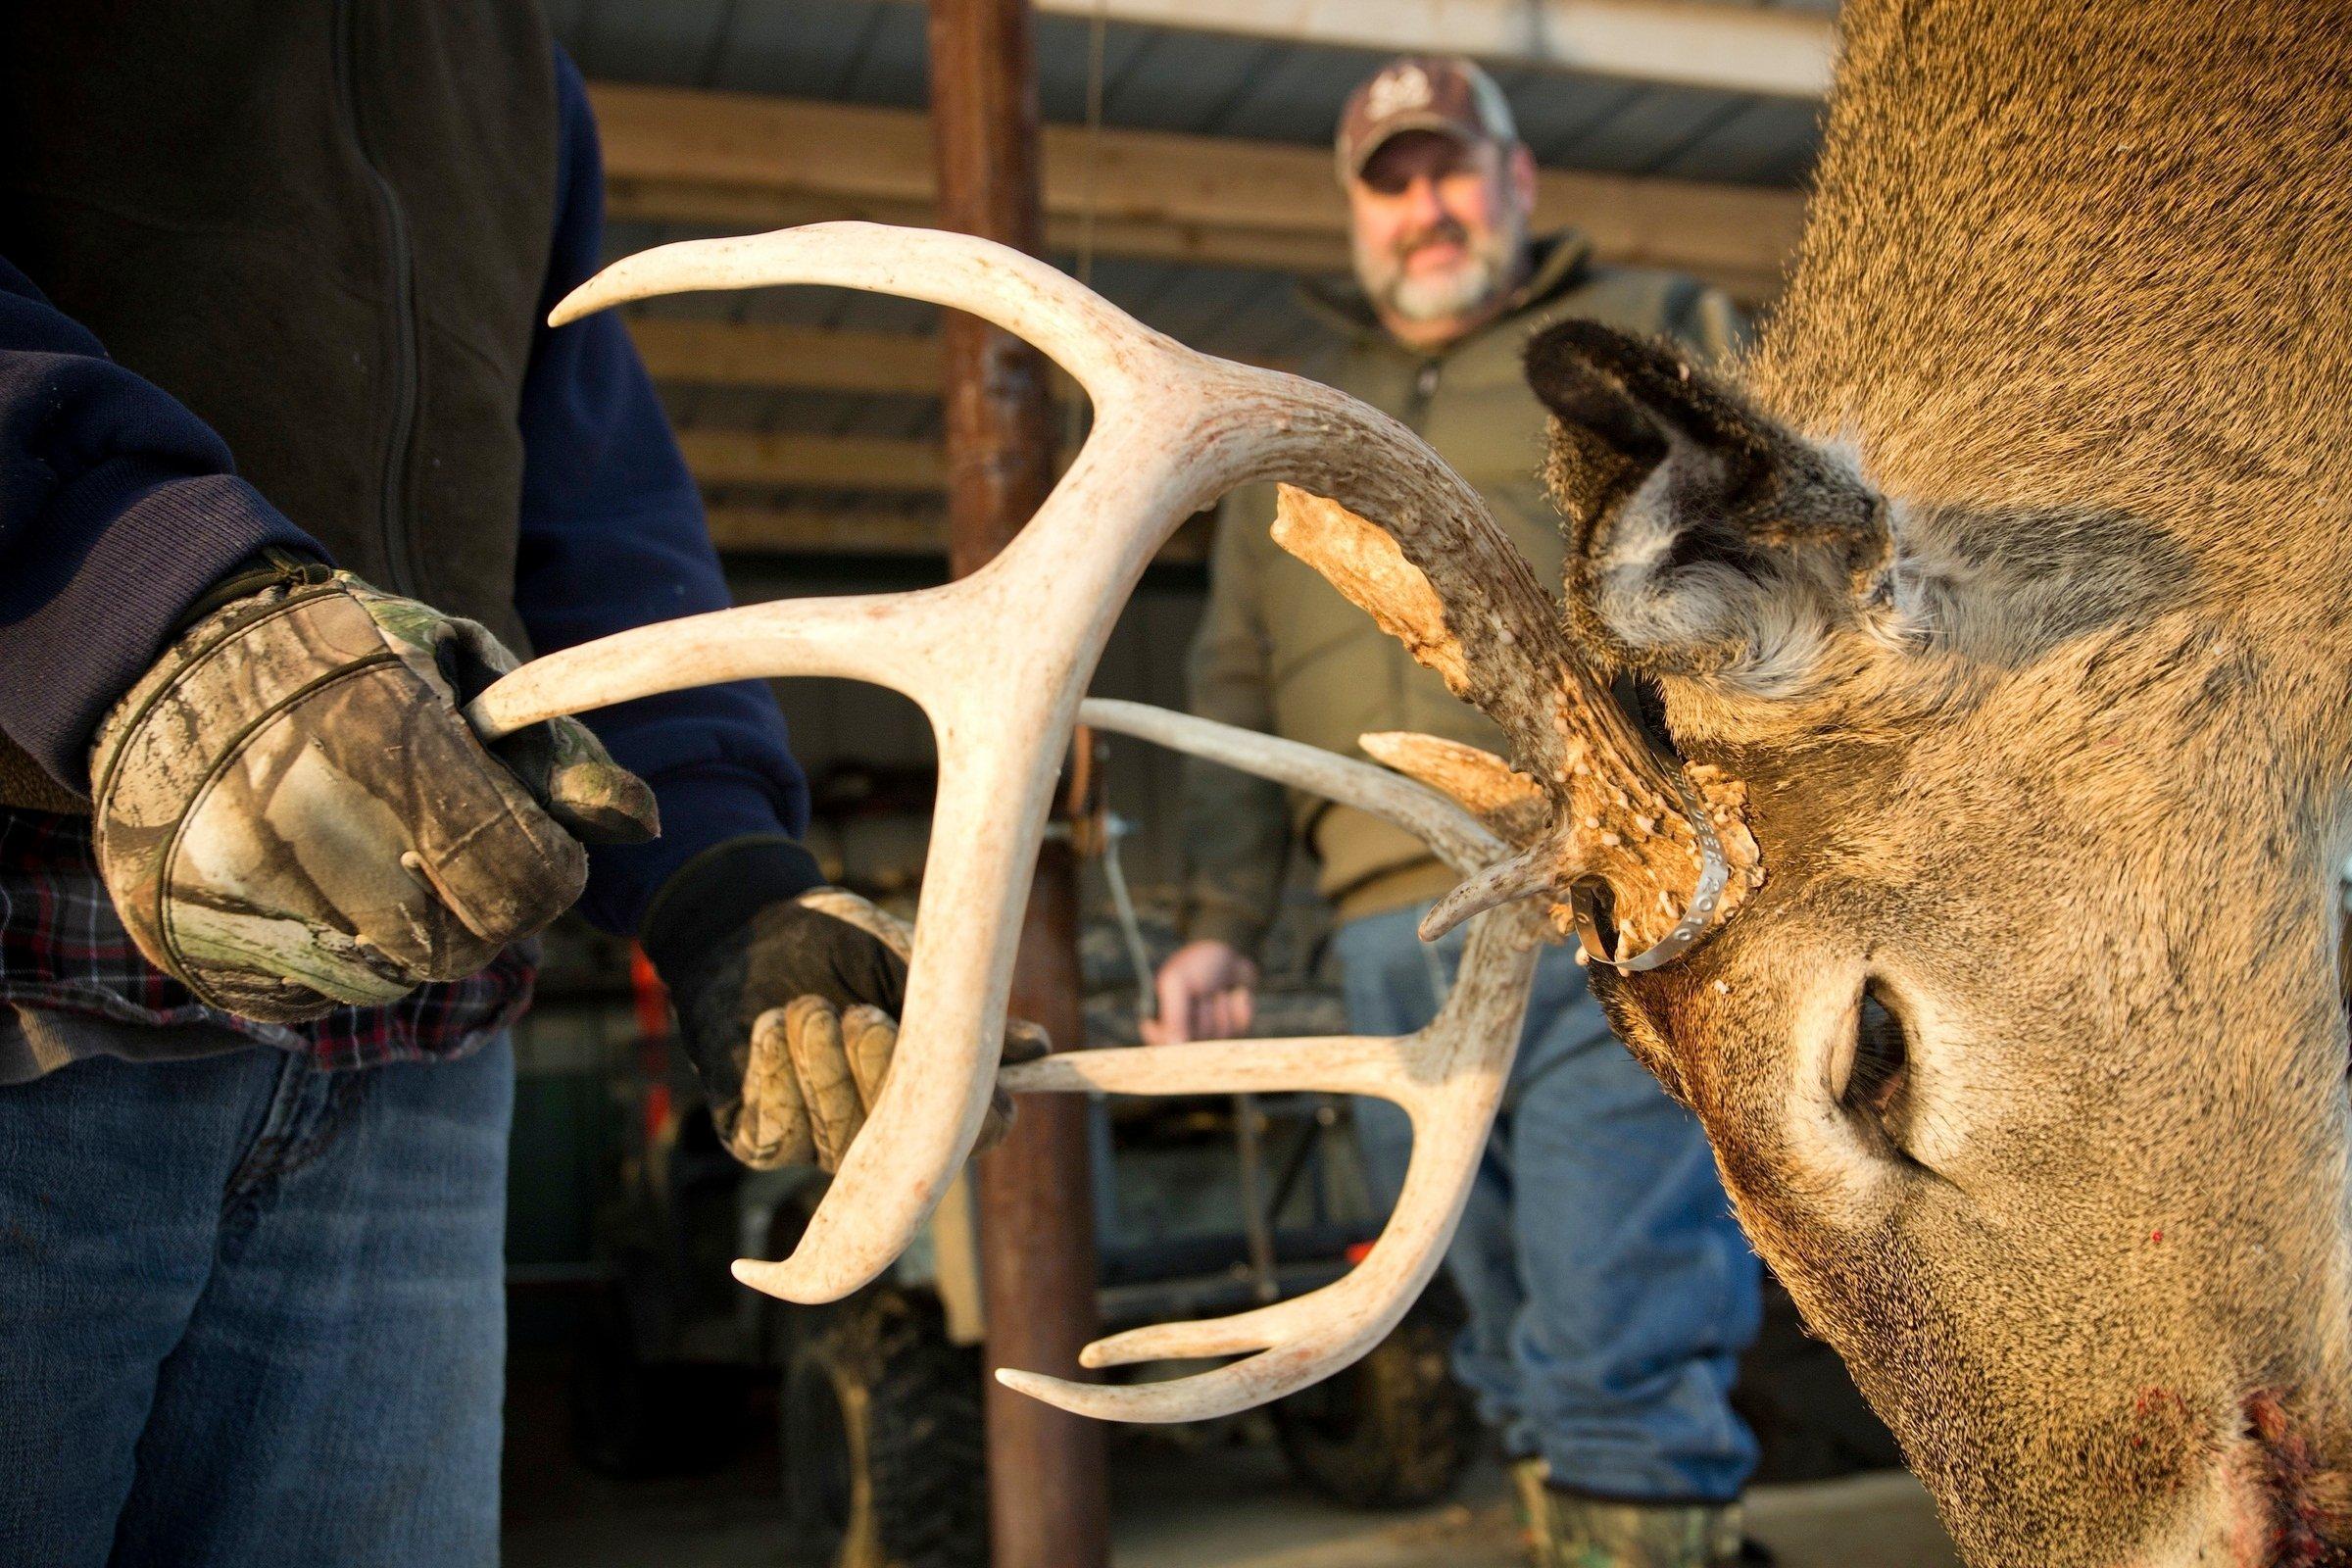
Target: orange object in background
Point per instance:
(651, 999)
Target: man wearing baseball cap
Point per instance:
(1610, 1293)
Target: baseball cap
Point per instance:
(1442, 93)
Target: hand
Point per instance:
(1207, 992)
(292, 813)
(791, 1018)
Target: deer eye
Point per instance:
(1877, 1081)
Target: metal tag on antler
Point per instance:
(999, 660)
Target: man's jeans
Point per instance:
(251, 1313)
(1610, 1292)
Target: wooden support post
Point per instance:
(1048, 1500)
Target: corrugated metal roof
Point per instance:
(873, 52)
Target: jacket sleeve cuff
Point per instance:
(712, 895)
(120, 564)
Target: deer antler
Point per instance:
(1672, 850)
(1449, 1077)
(997, 660)
(1497, 794)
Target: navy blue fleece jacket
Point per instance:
(119, 507)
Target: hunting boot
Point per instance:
(1564, 1531)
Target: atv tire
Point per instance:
(1393, 1431)
(884, 1454)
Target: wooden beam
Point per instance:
(749, 209)
(782, 462)
(774, 357)
(766, 354)
(738, 160)
(826, 532)
(754, 531)
(1777, 52)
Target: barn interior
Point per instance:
(1183, 168)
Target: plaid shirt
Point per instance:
(62, 949)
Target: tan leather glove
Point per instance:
(788, 1006)
(293, 814)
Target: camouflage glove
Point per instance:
(292, 813)
(788, 997)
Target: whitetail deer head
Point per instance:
(2008, 577)
(1000, 659)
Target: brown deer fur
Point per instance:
(2010, 576)
(2063, 777)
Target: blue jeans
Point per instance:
(1610, 1292)
(251, 1313)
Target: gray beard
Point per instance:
(1461, 291)
(1437, 299)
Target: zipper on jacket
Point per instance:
(392, 488)
(1420, 394)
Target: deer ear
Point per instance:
(1703, 537)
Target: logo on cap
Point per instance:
(1399, 90)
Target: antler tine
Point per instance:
(1097, 342)
(1458, 838)
(862, 636)
(1496, 794)
(1449, 1077)
(1525, 875)
(1340, 1065)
